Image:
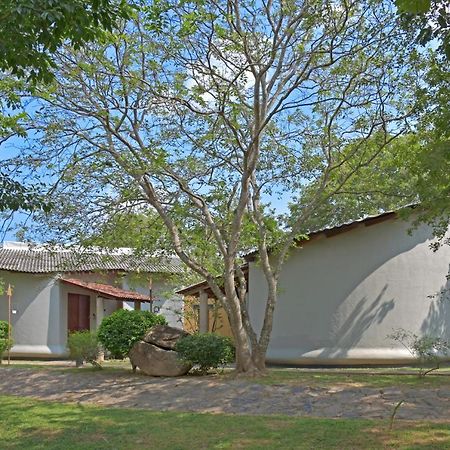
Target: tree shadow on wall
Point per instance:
(437, 322)
(363, 315)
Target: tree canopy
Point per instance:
(32, 30)
(430, 19)
(30, 33)
(202, 113)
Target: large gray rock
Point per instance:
(156, 361)
(164, 336)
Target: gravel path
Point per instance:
(208, 394)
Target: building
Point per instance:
(345, 289)
(56, 291)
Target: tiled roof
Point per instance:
(46, 261)
(107, 290)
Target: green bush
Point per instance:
(205, 350)
(5, 343)
(84, 347)
(429, 350)
(119, 331)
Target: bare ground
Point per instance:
(213, 395)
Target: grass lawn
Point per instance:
(349, 378)
(33, 424)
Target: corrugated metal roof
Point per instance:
(332, 231)
(107, 290)
(47, 261)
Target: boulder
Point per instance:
(156, 361)
(164, 336)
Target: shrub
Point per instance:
(119, 331)
(427, 349)
(5, 342)
(206, 350)
(84, 347)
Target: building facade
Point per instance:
(59, 291)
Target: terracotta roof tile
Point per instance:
(107, 290)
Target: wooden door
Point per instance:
(78, 312)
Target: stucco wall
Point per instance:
(340, 297)
(40, 324)
(165, 302)
(37, 326)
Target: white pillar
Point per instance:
(99, 314)
(204, 312)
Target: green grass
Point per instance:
(349, 378)
(34, 424)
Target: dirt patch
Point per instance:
(213, 395)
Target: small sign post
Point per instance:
(9, 293)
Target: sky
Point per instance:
(11, 149)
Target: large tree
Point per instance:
(30, 33)
(429, 19)
(431, 167)
(204, 112)
(32, 30)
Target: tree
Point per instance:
(14, 195)
(431, 167)
(430, 19)
(202, 112)
(388, 184)
(32, 30)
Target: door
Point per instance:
(78, 312)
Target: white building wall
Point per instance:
(41, 305)
(37, 326)
(340, 297)
(165, 301)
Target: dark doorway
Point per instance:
(78, 312)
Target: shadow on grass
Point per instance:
(35, 424)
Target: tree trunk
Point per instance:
(250, 359)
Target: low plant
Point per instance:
(428, 350)
(84, 347)
(119, 331)
(206, 351)
(5, 342)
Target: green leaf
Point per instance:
(413, 6)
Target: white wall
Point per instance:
(165, 302)
(340, 297)
(37, 326)
(40, 324)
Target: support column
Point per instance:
(137, 306)
(204, 312)
(99, 314)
